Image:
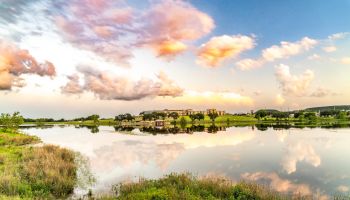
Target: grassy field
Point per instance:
(187, 186)
(27, 172)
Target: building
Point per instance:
(184, 112)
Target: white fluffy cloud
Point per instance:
(218, 49)
(275, 52)
(294, 85)
(287, 49)
(298, 152)
(337, 36)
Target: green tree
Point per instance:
(193, 117)
(174, 115)
(11, 121)
(310, 116)
(261, 114)
(342, 115)
(183, 122)
(213, 116)
(200, 116)
(94, 118)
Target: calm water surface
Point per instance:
(307, 161)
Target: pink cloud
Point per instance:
(113, 30)
(111, 87)
(171, 23)
(14, 62)
(98, 26)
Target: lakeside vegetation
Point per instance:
(27, 171)
(187, 186)
(307, 117)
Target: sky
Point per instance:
(81, 57)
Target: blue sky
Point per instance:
(99, 56)
(276, 20)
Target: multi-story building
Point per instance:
(183, 112)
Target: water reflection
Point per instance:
(288, 159)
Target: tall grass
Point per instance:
(186, 186)
(46, 172)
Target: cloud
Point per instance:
(297, 152)
(248, 64)
(293, 85)
(275, 52)
(113, 30)
(337, 36)
(73, 86)
(218, 49)
(101, 33)
(280, 100)
(314, 57)
(343, 188)
(11, 10)
(169, 24)
(14, 62)
(320, 92)
(345, 60)
(329, 49)
(211, 98)
(279, 184)
(111, 87)
(287, 49)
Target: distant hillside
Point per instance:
(325, 108)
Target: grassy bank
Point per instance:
(186, 186)
(27, 172)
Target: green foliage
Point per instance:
(310, 116)
(126, 116)
(342, 115)
(328, 108)
(213, 115)
(186, 186)
(174, 115)
(94, 118)
(183, 122)
(13, 121)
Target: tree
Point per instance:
(11, 121)
(174, 115)
(193, 117)
(260, 114)
(342, 115)
(93, 118)
(183, 122)
(213, 116)
(200, 116)
(310, 116)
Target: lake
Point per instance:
(306, 161)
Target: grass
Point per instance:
(187, 186)
(27, 172)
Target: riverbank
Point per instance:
(187, 186)
(41, 172)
